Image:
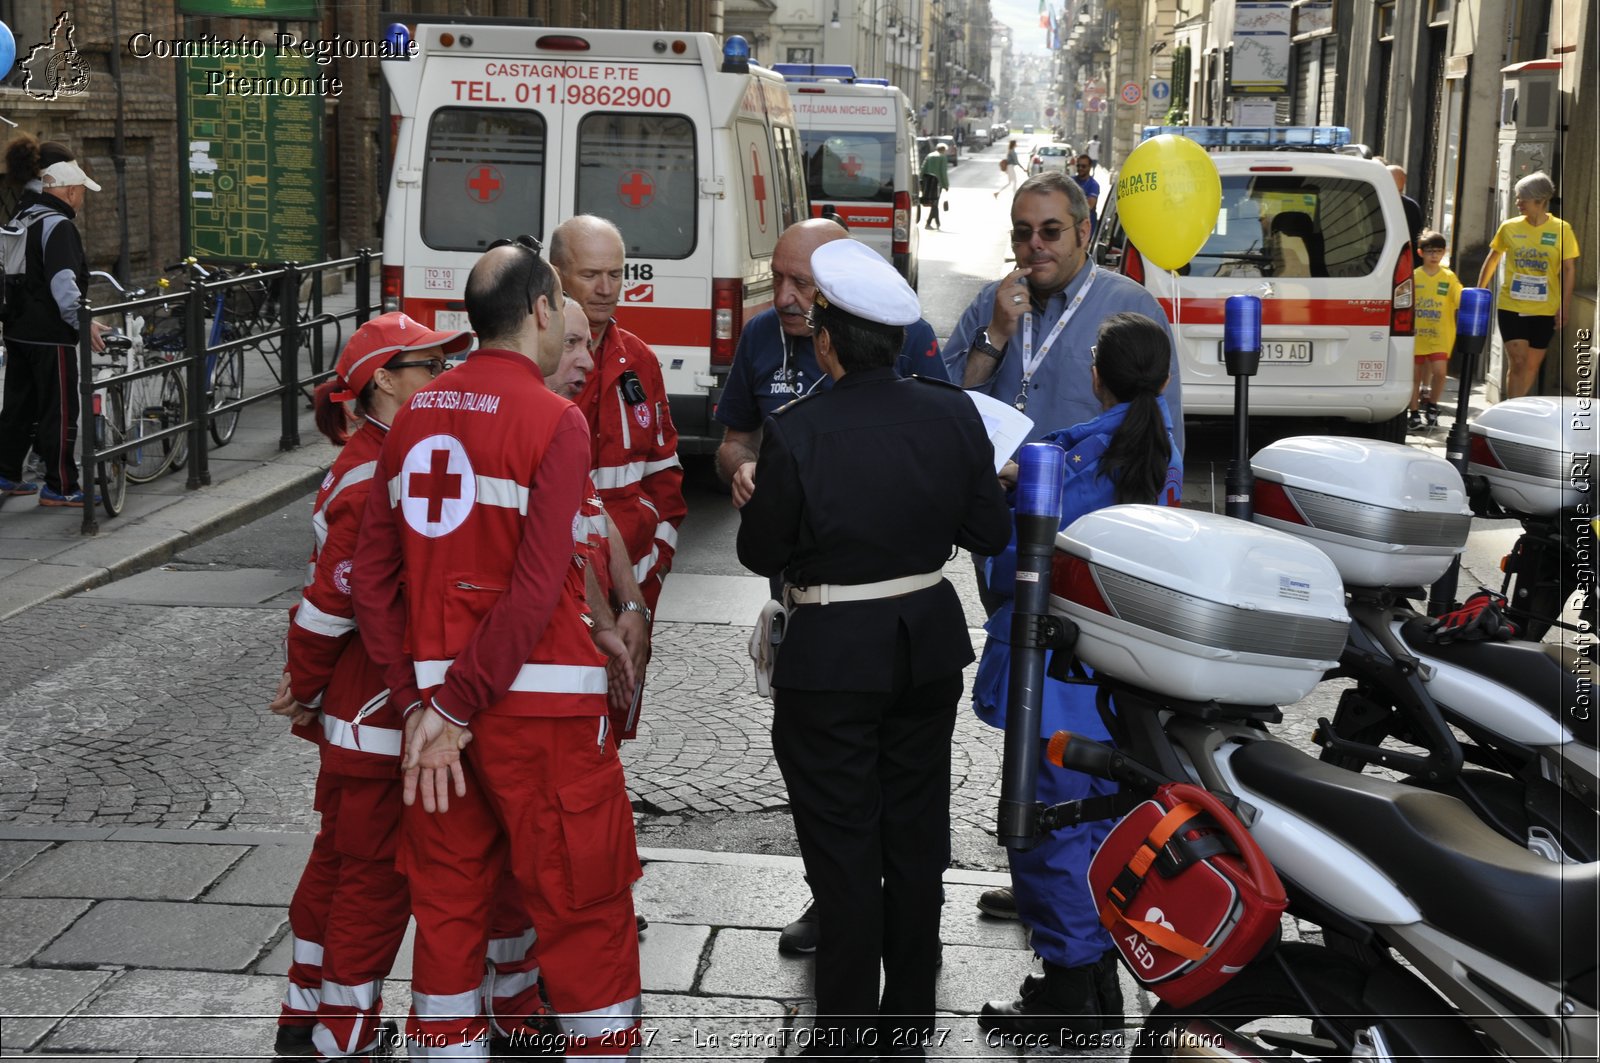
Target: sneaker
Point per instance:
(47, 497)
(18, 487)
(1433, 415)
(1413, 421)
(800, 936)
(641, 922)
(999, 903)
(294, 1042)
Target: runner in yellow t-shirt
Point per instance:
(1437, 295)
(1541, 263)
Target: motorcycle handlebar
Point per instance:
(1077, 753)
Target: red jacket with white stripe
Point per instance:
(481, 482)
(635, 455)
(359, 731)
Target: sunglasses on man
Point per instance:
(527, 243)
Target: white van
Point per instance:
(1321, 237)
(861, 157)
(505, 128)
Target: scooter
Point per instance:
(1440, 938)
(1392, 518)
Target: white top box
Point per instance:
(1388, 515)
(1536, 452)
(1199, 606)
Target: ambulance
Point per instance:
(861, 156)
(503, 128)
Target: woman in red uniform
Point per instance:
(351, 907)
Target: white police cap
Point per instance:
(853, 277)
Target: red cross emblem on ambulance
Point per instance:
(851, 166)
(758, 188)
(636, 189)
(437, 486)
(484, 184)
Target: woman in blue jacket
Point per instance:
(1126, 454)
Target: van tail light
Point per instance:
(1402, 321)
(1481, 452)
(1072, 579)
(727, 318)
(1132, 263)
(1272, 500)
(902, 223)
(393, 288)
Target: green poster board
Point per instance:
(252, 8)
(253, 167)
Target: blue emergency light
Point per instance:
(736, 55)
(398, 37)
(1472, 318)
(820, 72)
(1287, 136)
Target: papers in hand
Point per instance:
(1007, 426)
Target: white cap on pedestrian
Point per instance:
(856, 279)
(67, 173)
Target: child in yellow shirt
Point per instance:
(1437, 292)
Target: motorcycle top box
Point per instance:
(1199, 606)
(1388, 515)
(1537, 457)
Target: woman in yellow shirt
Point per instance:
(1541, 253)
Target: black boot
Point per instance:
(1062, 1005)
(294, 1042)
(1108, 990)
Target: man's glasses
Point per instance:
(1023, 234)
(527, 243)
(434, 366)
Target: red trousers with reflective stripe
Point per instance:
(511, 984)
(355, 905)
(546, 798)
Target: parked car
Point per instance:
(952, 149)
(998, 132)
(1321, 237)
(978, 138)
(924, 145)
(1051, 157)
(1027, 129)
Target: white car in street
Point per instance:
(1051, 157)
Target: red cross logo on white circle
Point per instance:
(437, 486)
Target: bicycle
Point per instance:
(152, 403)
(255, 306)
(224, 370)
(110, 415)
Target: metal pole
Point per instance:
(289, 355)
(363, 286)
(194, 345)
(86, 440)
(1241, 351)
(1039, 486)
(1472, 332)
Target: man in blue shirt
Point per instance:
(775, 364)
(1091, 189)
(1026, 339)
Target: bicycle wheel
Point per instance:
(227, 384)
(112, 473)
(146, 409)
(175, 411)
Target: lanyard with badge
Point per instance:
(1031, 360)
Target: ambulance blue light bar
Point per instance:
(736, 55)
(1286, 136)
(817, 71)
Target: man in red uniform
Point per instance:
(469, 582)
(635, 447)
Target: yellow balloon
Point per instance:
(1168, 195)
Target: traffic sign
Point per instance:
(1160, 90)
(1132, 92)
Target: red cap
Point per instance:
(376, 343)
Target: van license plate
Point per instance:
(456, 321)
(1287, 352)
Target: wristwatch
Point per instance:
(981, 344)
(637, 607)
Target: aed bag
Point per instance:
(1187, 895)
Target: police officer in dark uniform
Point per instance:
(862, 494)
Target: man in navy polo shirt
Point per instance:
(775, 364)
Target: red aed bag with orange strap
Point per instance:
(1187, 895)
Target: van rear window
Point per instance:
(1284, 225)
(484, 177)
(639, 171)
(858, 167)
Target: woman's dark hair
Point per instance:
(1133, 354)
(859, 344)
(333, 418)
(27, 158)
